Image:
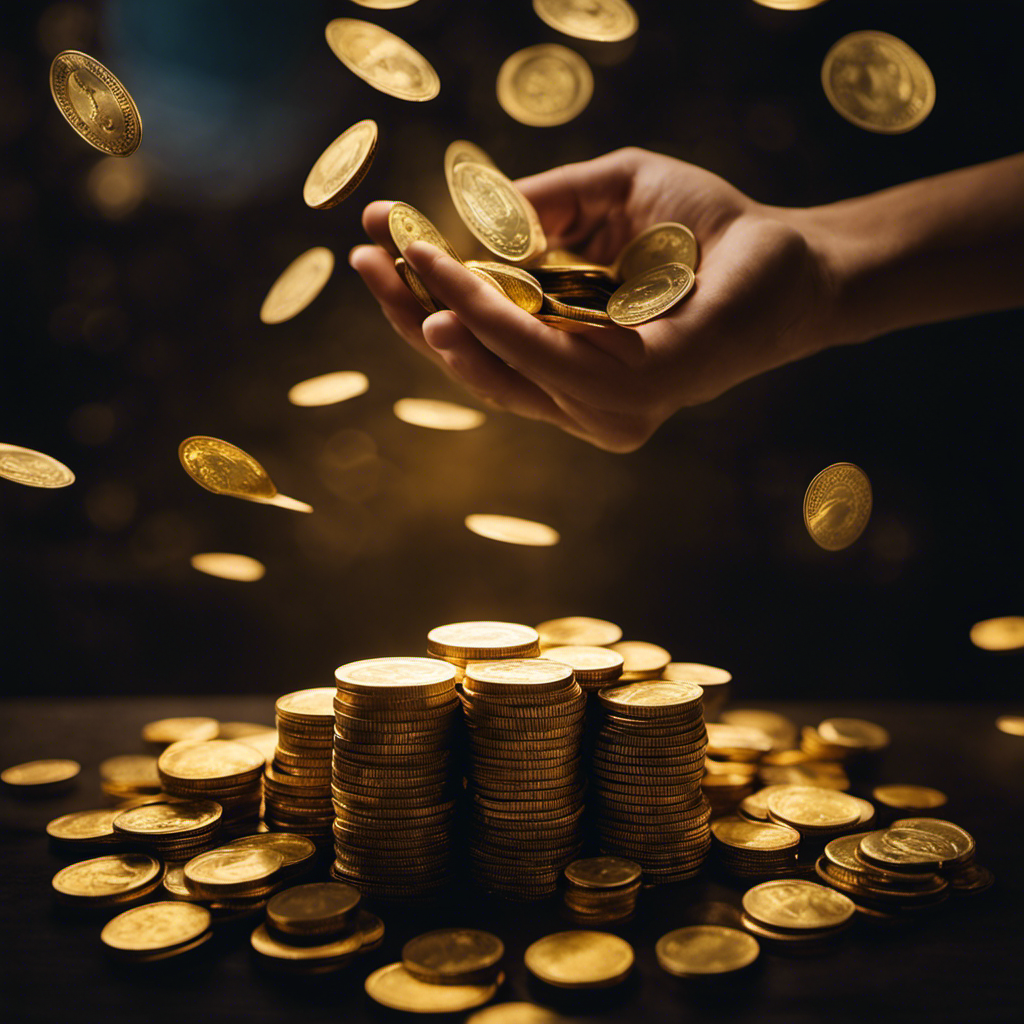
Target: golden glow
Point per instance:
(510, 530)
(1005, 633)
(329, 388)
(298, 285)
(229, 567)
(283, 501)
(33, 469)
(116, 186)
(437, 415)
(1011, 724)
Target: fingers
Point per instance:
(375, 224)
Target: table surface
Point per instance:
(961, 964)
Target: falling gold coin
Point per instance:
(223, 468)
(580, 959)
(95, 103)
(393, 986)
(544, 85)
(650, 294)
(837, 506)
(668, 242)
(1005, 633)
(602, 21)
(877, 82)
(511, 530)
(227, 566)
(329, 388)
(299, 284)
(41, 775)
(341, 166)
(382, 60)
(437, 415)
(1013, 725)
(32, 468)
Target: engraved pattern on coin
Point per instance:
(650, 294)
(169, 818)
(837, 506)
(222, 468)
(208, 759)
(544, 85)
(32, 468)
(491, 207)
(797, 905)
(602, 21)
(705, 949)
(382, 59)
(156, 926)
(408, 225)
(657, 245)
(107, 876)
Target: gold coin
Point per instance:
(232, 868)
(382, 60)
(221, 467)
(960, 839)
(453, 956)
(569, 311)
(171, 730)
(578, 629)
(916, 797)
(812, 807)
(130, 771)
(837, 506)
(591, 665)
(164, 925)
(341, 166)
(788, 5)
(907, 847)
(462, 150)
(519, 285)
(648, 295)
(95, 103)
(544, 85)
(704, 949)
(393, 986)
(568, 324)
(516, 1013)
(227, 566)
(657, 245)
(694, 672)
(32, 468)
(483, 640)
(282, 501)
(877, 82)
(855, 733)
(602, 21)
(750, 835)
(602, 872)
(512, 530)
(408, 225)
(119, 874)
(420, 677)
(642, 657)
(294, 850)
(179, 819)
(328, 388)
(298, 285)
(437, 415)
(208, 759)
(266, 945)
(796, 905)
(651, 693)
(580, 959)
(314, 908)
(415, 284)
(1013, 725)
(384, 5)
(83, 826)
(782, 730)
(46, 773)
(1005, 633)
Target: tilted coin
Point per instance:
(408, 225)
(853, 732)
(578, 629)
(437, 415)
(223, 468)
(165, 925)
(339, 949)
(95, 103)
(811, 807)
(1005, 633)
(553, 307)
(453, 956)
(230, 869)
(544, 85)
(329, 388)
(228, 566)
(33, 469)
(904, 796)
(415, 284)
(313, 909)
(341, 166)
(393, 986)
(837, 506)
(749, 835)
(705, 949)
(602, 21)
(960, 839)
(667, 242)
(84, 826)
(169, 819)
(602, 872)
(1012, 725)
(580, 959)
(294, 850)
(119, 874)
(283, 501)
(384, 5)
(878, 82)
(907, 848)
(512, 530)
(382, 60)
(649, 294)
(297, 286)
(41, 775)
(208, 759)
(788, 5)
(519, 285)
(797, 905)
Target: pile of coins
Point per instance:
(731, 770)
(107, 881)
(392, 779)
(817, 814)
(796, 914)
(749, 849)
(176, 829)
(601, 889)
(647, 765)
(297, 783)
(226, 771)
(157, 931)
(239, 878)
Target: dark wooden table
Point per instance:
(962, 964)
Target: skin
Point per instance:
(773, 285)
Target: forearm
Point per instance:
(932, 250)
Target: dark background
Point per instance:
(134, 324)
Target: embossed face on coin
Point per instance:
(95, 103)
(650, 293)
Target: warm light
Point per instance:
(1005, 633)
(283, 501)
(229, 567)
(510, 530)
(329, 388)
(427, 412)
(116, 186)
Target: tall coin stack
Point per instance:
(647, 765)
(297, 783)
(525, 773)
(221, 770)
(392, 781)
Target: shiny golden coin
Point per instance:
(512, 530)
(32, 468)
(312, 909)
(797, 905)
(95, 103)
(516, 1013)
(294, 850)
(384, 5)
(171, 730)
(341, 166)
(648, 295)
(602, 872)
(487, 278)
(264, 742)
(694, 672)
(283, 501)
(568, 324)
(119, 874)
(393, 986)
(382, 60)
(298, 285)
(544, 85)
(208, 759)
(519, 285)
(655, 246)
(130, 771)
(749, 835)
(483, 640)
(329, 388)
(638, 656)
(907, 847)
(877, 82)
(453, 956)
(580, 959)
(837, 506)
(602, 21)
(221, 467)
(705, 949)
(651, 693)
(408, 225)
(84, 826)
(1012, 725)
(232, 868)
(437, 415)
(337, 949)
(397, 676)
(790, 5)
(917, 797)
(42, 774)
(518, 675)
(227, 566)
(315, 702)
(855, 733)
(1005, 633)
(812, 807)
(592, 666)
(165, 819)
(781, 729)
(578, 629)
(958, 838)
(164, 925)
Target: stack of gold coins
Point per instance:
(524, 772)
(107, 881)
(593, 667)
(156, 931)
(392, 781)
(459, 643)
(236, 879)
(297, 783)
(796, 914)
(641, 660)
(726, 784)
(322, 956)
(226, 771)
(817, 814)
(715, 682)
(454, 956)
(601, 889)
(130, 775)
(750, 849)
(647, 765)
(176, 830)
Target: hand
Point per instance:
(761, 300)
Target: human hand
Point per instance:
(761, 300)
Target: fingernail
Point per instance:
(418, 253)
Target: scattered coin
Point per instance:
(393, 986)
(227, 566)
(649, 294)
(157, 931)
(705, 949)
(223, 468)
(454, 956)
(341, 166)
(1013, 725)
(602, 21)
(231, 871)
(297, 286)
(39, 777)
(516, 1013)
(855, 733)
(437, 415)
(318, 958)
(314, 909)
(329, 388)
(32, 468)
(104, 881)
(512, 530)
(382, 60)
(837, 506)
(642, 660)
(544, 85)
(580, 959)
(578, 629)
(909, 797)
(166, 731)
(1005, 633)
(797, 905)
(657, 245)
(92, 827)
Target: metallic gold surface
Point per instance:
(654, 697)
(174, 819)
(334, 953)
(602, 21)
(694, 672)
(317, 908)
(516, 1013)
(223, 468)
(578, 629)
(328, 388)
(41, 774)
(229, 870)
(454, 956)
(749, 835)
(33, 469)
(855, 733)
(1012, 725)
(208, 760)
(382, 60)
(519, 285)
(166, 731)
(341, 166)
(314, 702)
(781, 729)
(393, 986)
(641, 660)
(594, 667)
(668, 242)
(104, 878)
(945, 831)
(907, 848)
(437, 415)
(1005, 633)
(415, 284)
(705, 949)
(649, 294)
(408, 225)
(227, 566)
(909, 797)
(544, 85)
(580, 959)
(602, 872)
(295, 850)
(297, 286)
(166, 925)
(512, 530)
(797, 905)
(811, 808)
(283, 501)
(788, 5)
(84, 826)
(837, 506)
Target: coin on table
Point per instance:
(649, 294)
(335, 951)
(741, 834)
(602, 872)
(382, 60)
(453, 956)
(437, 415)
(602, 21)
(512, 530)
(705, 949)
(223, 468)
(810, 808)
(84, 826)
(229, 869)
(580, 959)
(105, 878)
(516, 1013)
(297, 285)
(95, 103)
(667, 242)
(341, 166)
(329, 388)
(296, 851)
(179, 818)
(519, 285)
(157, 930)
(41, 776)
(393, 986)
(544, 85)
(878, 82)
(1012, 725)
(906, 797)
(135, 772)
(578, 629)
(640, 659)
(33, 469)
(228, 566)
(317, 908)
(594, 667)
(651, 697)
(209, 760)
(960, 839)
(797, 905)
(1005, 633)
(837, 506)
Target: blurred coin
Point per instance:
(227, 566)
(853, 732)
(1013, 725)
(223, 468)
(655, 246)
(705, 949)
(297, 286)
(785, 5)
(641, 660)
(578, 629)
(393, 986)
(837, 506)
(603, 21)
(334, 953)
(437, 415)
(1005, 633)
(41, 776)
(283, 501)
(519, 285)
(84, 826)
(453, 956)
(32, 468)
(516, 1013)
(341, 166)
(580, 959)
(649, 294)
(156, 930)
(512, 530)
(781, 729)
(797, 905)
(384, 5)
(130, 773)
(909, 797)
(544, 85)
(328, 388)
(382, 60)
(242, 730)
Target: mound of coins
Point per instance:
(394, 987)
(525, 779)
(601, 889)
(108, 881)
(647, 765)
(392, 780)
(176, 830)
(577, 631)
(795, 913)
(85, 828)
(40, 778)
(705, 950)
(157, 931)
(753, 849)
(297, 782)
(130, 775)
(226, 771)
(459, 643)
(715, 682)
(580, 959)
(320, 954)
(454, 956)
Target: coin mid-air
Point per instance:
(341, 166)
(544, 85)
(382, 59)
(601, 21)
(33, 469)
(837, 506)
(297, 285)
